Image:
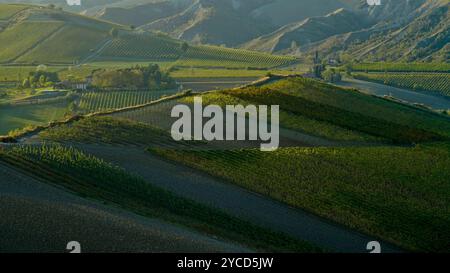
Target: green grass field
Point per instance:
(60, 48)
(430, 82)
(397, 194)
(93, 178)
(17, 73)
(22, 37)
(17, 117)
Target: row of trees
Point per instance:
(138, 77)
(39, 79)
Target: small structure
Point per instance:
(75, 85)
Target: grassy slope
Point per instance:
(16, 73)
(397, 193)
(328, 111)
(365, 105)
(71, 51)
(290, 120)
(14, 117)
(20, 38)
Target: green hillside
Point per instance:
(334, 113)
(51, 48)
(18, 39)
(6, 11)
(34, 35)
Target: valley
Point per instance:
(87, 150)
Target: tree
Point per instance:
(331, 75)
(42, 80)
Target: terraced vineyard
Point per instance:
(383, 191)
(402, 67)
(292, 97)
(107, 100)
(94, 178)
(211, 56)
(356, 102)
(157, 48)
(290, 119)
(142, 47)
(432, 82)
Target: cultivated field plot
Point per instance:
(60, 48)
(402, 67)
(211, 56)
(17, 73)
(17, 117)
(108, 100)
(432, 82)
(23, 37)
(398, 194)
(96, 179)
(142, 47)
(370, 106)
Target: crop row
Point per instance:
(107, 100)
(96, 179)
(384, 191)
(434, 82)
(402, 67)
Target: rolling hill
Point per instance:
(396, 31)
(216, 21)
(308, 31)
(141, 14)
(35, 35)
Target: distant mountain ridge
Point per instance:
(234, 22)
(397, 30)
(414, 30)
(296, 35)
